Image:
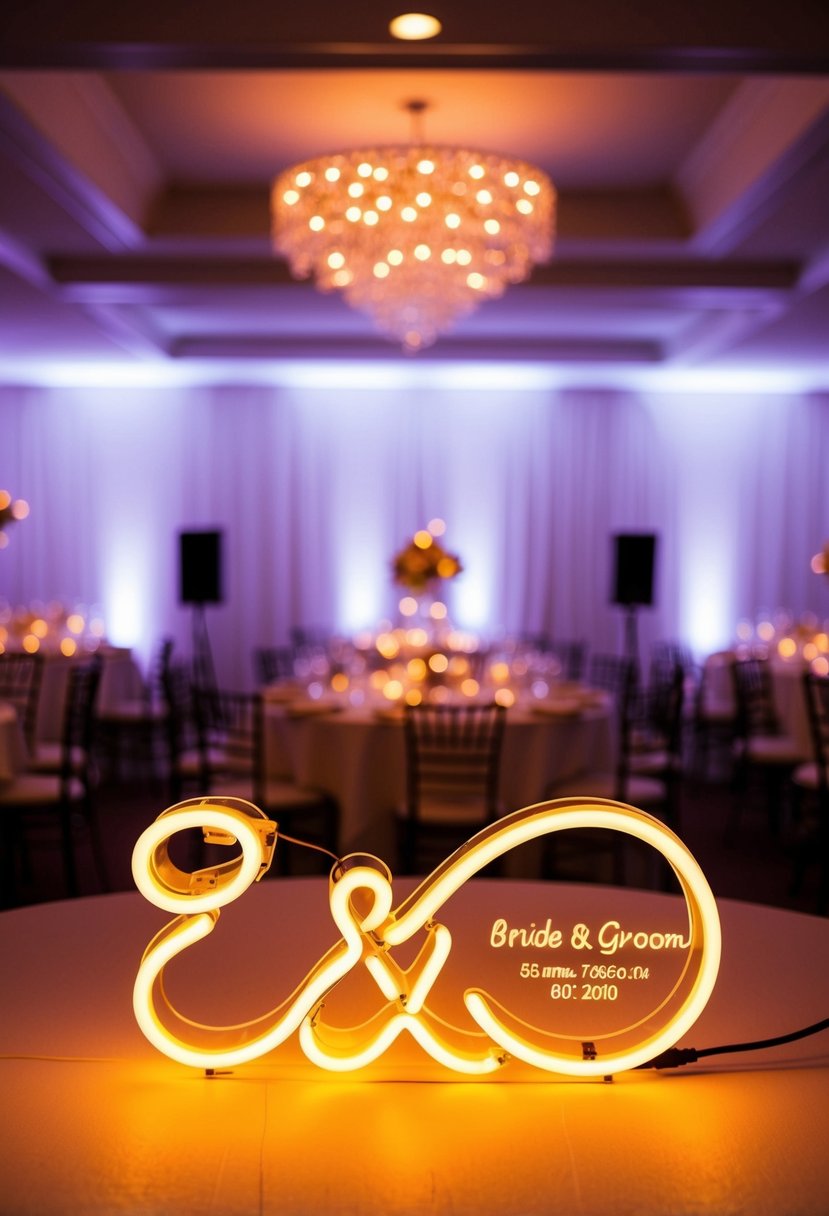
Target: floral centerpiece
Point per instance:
(10, 512)
(424, 561)
(820, 562)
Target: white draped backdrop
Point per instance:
(314, 490)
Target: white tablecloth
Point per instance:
(360, 759)
(95, 1121)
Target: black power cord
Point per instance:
(675, 1057)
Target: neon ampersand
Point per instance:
(369, 935)
(205, 892)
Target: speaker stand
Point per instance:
(632, 635)
(204, 673)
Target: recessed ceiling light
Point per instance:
(414, 26)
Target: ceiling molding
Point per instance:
(713, 333)
(129, 329)
(63, 182)
(138, 279)
(766, 134)
(20, 260)
(570, 351)
(709, 36)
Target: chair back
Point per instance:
(20, 681)
(79, 718)
(310, 639)
(662, 705)
(453, 755)
(613, 673)
(162, 661)
(572, 656)
(226, 725)
(272, 663)
(176, 685)
(754, 697)
(628, 700)
(816, 690)
(618, 675)
(667, 653)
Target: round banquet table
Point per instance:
(96, 1121)
(359, 756)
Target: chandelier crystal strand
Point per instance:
(414, 236)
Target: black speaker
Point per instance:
(200, 567)
(633, 565)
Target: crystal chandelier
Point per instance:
(416, 236)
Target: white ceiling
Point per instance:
(693, 181)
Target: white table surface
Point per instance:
(95, 1121)
(360, 758)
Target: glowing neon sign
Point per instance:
(361, 899)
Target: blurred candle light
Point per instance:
(417, 669)
(765, 631)
(387, 646)
(392, 690)
(787, 648)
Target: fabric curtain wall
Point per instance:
(314, 490)
(747, 491)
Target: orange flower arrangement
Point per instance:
(424, 560)
(10, 512)
(820, 562)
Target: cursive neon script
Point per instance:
(610, 938)
(361, 906)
